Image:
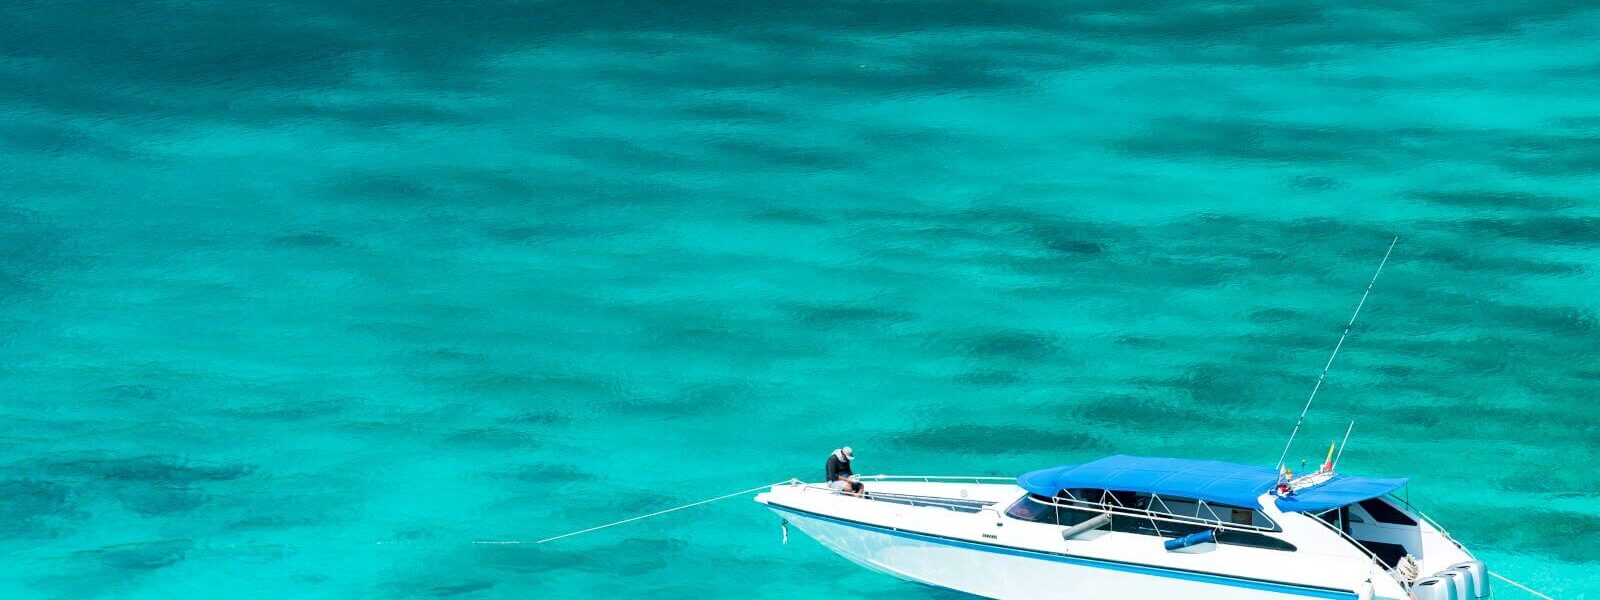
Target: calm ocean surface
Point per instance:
(298, 299)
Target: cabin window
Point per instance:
(1092, 502)
(1039, 509)
(1193, 508)
(1033, 508)
(1129, 499)
(1084, 495)
(1383, 512)
(1148, 526)
(1145, 526)
(1339, 518)
(1168, 529)
(1253, 540)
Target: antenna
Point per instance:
(1336, 347)
(1341, 444)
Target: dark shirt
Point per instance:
(838, 469)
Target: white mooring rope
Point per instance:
(1519, 586)
(641, 517)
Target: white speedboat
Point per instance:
(1142, 528)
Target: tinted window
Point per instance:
(1189, 507)
(1385, 513)
(1084, 495)
(1128, 524)
(1038, 510)
(1253, 540)
(1145, 526)
(1127, 499)
(1029, 508)
(1338, 517)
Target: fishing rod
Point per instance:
(1335, 354)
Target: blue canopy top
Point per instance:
(1232, 484)
(1212, 481)
(1338, 491)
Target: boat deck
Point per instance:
(955, 504)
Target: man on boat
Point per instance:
(840, 477)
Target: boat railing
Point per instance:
(973, 506)
(1143, 513)
(939, 478)
(954, 504)
(1373, 556)
(1422, 516)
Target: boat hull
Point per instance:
(1006, 573)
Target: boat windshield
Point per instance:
(1039, 509)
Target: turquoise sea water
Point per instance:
(298, 299)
